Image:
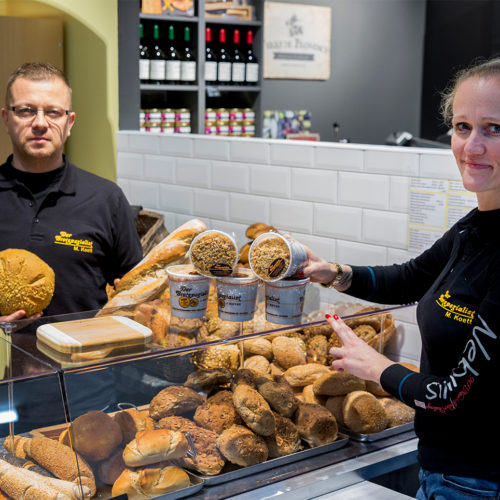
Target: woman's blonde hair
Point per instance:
(480, 68)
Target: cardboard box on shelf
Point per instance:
(218, 10)
(169, 7)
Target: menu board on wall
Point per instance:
(297, 41)
(435, 205)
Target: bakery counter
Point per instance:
(321, 474)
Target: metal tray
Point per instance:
(375, 436)
(239, 472)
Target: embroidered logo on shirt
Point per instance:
(64, 238)
(453, 311)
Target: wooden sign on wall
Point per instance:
(297, 41)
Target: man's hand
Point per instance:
(16, 316)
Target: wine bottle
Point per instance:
(238, 62)
(173, 67)
(188, 62)
(144, 57)
(157, 64)
(224, 60)
(252, 64)
(210, 59)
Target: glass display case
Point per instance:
(146, 398)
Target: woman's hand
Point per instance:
(355, 355)
(317, 269)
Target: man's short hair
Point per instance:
(37, 71)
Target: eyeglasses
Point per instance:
(27, 113)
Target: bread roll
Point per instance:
(110, 469)
(289, 351)
(208, 460)
(337, 383)
(202, 379)
(245, 376)
(257, 363)
(286, 440)
(218, 356)
(375, 389)
(18, 448)
(174, 400)
(302, 375)
(317, 349)
(316, 425)
(28, 485)
(254, 410)
(335, 404)
(308, 396)
(131, 421)
(148, 278)
(397, 412)
(26, 282)
(96, 435)
(217, 413)
(280, 397)
(60, 460)
(242, 447)
(259, 346)
(150, 482)
(363, 413)
(150, 447)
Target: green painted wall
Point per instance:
(91, 64)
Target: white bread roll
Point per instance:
(150, 482)
(150, 447)
(148, 278)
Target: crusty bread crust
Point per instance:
(242, 447)
(363, 413)
(254, 410)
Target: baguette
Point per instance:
(147, 280)
(150, 447)
(25, 484)
(61, 460)
(150, 482)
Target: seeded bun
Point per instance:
(26, 282)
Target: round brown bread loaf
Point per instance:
(397, 412)
(96, 435)
(316, 424)
(363, 413)
(26, 282)
(254, 410)
(242, 447)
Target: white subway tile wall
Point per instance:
(348, 202)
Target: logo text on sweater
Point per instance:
(64, 238)
(455, 312)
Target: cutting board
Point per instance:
(92, 334)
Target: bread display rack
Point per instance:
(183, 357)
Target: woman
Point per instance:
(457, 285)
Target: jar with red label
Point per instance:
(182, 127)
(210, 128)
(249, 114)
(210, 115)
(167, 115)
(182, 115)
(222, 127)
(222, 114)
(235, 127)
(248, 128)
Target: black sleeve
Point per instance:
(475, 370)
(127, 249)
(403, 283)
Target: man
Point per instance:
(77, 222)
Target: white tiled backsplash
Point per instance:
(348, 202)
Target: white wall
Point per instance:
(348, 202)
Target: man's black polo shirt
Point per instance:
(82, 227)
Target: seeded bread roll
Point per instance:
(302, 375)
(218, 356)
(337, 383)
(174, 400)
(217, 413)
(286, 440)
(288, 351)
(363, 413)
(316, 425)
(26, 282)
(254, 410)
(397, 412)
(242, 447)
(150, 447)
(208, 460)
(317, 349)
